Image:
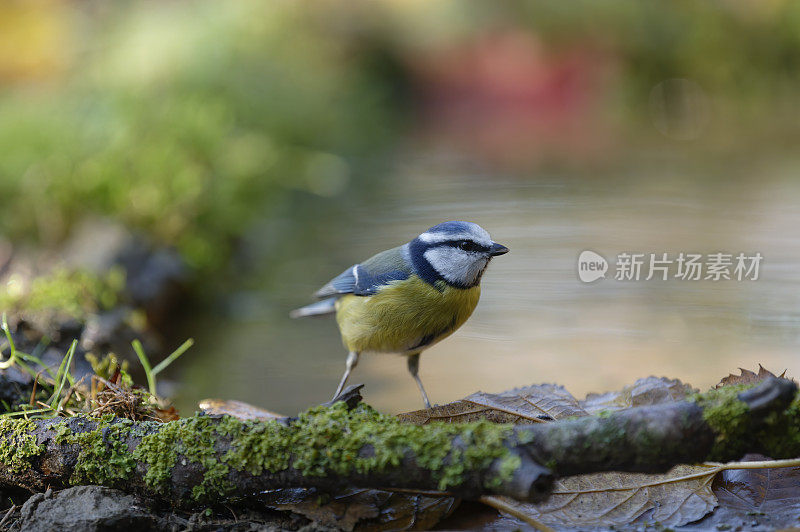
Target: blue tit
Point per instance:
(406, 299)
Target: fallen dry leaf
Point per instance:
(531, 404)
(236, 409)
(678, 497)
(644, 392)
(766, 499)
(748, 377)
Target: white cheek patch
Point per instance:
(456, 265)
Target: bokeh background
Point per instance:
(273, 144)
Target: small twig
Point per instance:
(763, 464)
(425, 493)
(235, 517)
(9, 513)
(718, 468)
(118, 400)
(72, 389)
(499, 504)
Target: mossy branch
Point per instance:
(203, 459)
(214, 459)
(719, 425)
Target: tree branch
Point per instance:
(720, 425)
(222, 459)
(219, 458)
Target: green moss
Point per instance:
(324, 441)
(76, 293)
(104, 458)
(780, 436)
(727, 417)
(508, 466)
(777, 435)
(189, 438)
(332, 440)
(159, 451)
(17, 445)
(525, 436)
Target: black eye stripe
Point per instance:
(466, 245)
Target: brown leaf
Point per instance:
(748, 377)
(366, 510)
(167, 414)
(768, 497)
(678, 497)
(644, 392)
(236, 409)
(531, 404)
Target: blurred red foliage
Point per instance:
(505, 97)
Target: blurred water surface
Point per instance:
(536, 321)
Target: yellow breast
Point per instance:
(405, 316)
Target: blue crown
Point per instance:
(451, 227)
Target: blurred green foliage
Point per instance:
(75, 293)
(746, 55)
(185, 122)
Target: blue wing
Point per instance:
(370, 276)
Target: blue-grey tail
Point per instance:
(326, 306)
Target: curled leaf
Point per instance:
(644, 392)
(530, 404)
(748, 377)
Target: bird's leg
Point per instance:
(352, 361)
(413, 368)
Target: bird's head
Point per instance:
(457, 252)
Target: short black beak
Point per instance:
(497, 249)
